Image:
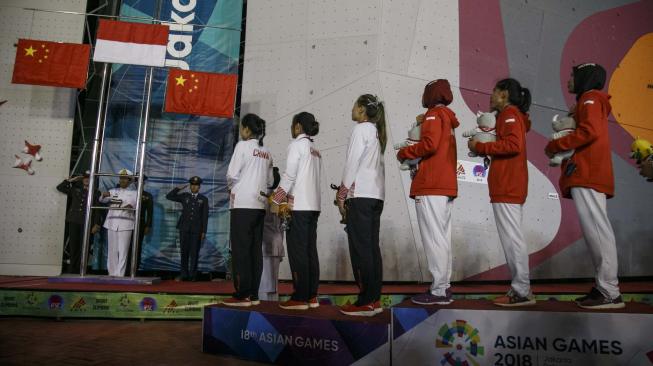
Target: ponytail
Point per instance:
(255, 124)
(262, 135)
(310, 126)
(375, 111)
(517, 96)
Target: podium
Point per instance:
(322, 336)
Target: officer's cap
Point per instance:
(125, 172)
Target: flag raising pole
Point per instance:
(92, 182)
(141, 148)
(141, 168)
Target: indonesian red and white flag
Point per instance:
(131, 43)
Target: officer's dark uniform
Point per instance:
(146, 218)
(75, 219)
(192, 224)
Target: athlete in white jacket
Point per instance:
(249, 174)
(360, 200)
(300, 187)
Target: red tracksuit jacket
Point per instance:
(437, 148)
(508, 179)
(593, 155)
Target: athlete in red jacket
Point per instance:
(587, 178)
(435, 186)
(508, 183)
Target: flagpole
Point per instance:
(105, 113)
(141, 168)
(90, 195)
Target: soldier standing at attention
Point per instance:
(192, 225)
(145, 219)
(78, 192)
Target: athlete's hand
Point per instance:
(471, 144)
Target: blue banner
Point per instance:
(205, 37)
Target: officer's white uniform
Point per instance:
(119, 225)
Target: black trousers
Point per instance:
(302, 254)
(363, 225)
(246, 234)
(75, 237)
(190, 243)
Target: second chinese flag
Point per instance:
(201, 93)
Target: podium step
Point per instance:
(107, 280)
(476, 332)
(322, 336)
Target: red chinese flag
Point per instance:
(201, 93)
(51, 63)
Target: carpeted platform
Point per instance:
(225, 287)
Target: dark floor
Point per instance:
(30, 341)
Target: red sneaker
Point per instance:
(314, 303)
(378, 309)
(234, 301)
(293, 305)
(363, 310)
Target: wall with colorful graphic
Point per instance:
(204, 36)
(319, 56)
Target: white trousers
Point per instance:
(118, 247)
(434, 219)
(508, 217)
(268, 289)
(599, 236)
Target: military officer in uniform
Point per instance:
(119, 222)
(146, 218)
(76, 188)
(192, 225)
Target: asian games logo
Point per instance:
(462, 343)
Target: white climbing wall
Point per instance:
(319, 56)
(32, 211)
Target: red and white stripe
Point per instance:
(131, 43)
(280, 196)
(343, 192)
